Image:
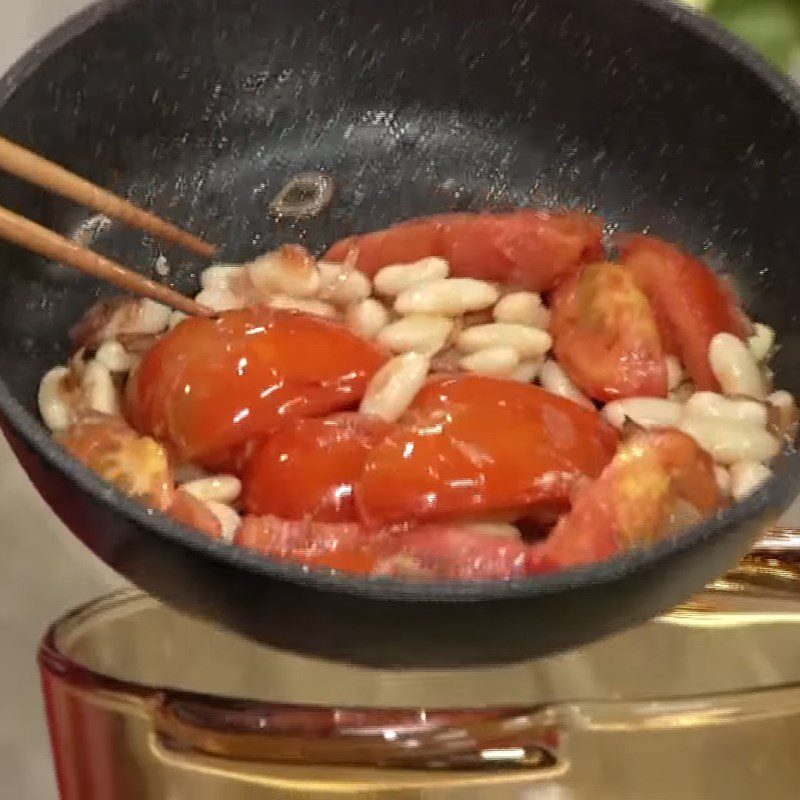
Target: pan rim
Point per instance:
(774, 494)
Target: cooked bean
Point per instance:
(97, 387)
(54, 401)
(394, 386)
(341, 285)
(711, 404)
(449, 297)
(499, 362)
(367, 318)
(114, 356)
(527, 371)
(420, 333)
(218, 299)
(646, 412)
(556, 381)
(761, 341)
(728, 442)
(219, 488)
(746, 477)
(735, 368)
(396, 278)
(308, 306)
(522, 308)
(528, 342)
(674, 372)
(289, 270)
(229, 520)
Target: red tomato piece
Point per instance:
(472, 444)
(343, 546)
(307, 468)
(210, 385)
(458, 553)
(630, 503)
(691, 303)
(532, 249)
(190, 511)
(605, 335)
(136, 465)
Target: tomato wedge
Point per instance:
(307, 469)
(472, 444)
(210, 385)
(190, 511)
(630, 503)
(605, 335)
(529, 248)
(691, 303)
(136, 465)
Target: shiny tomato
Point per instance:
(691, 303)
(529, 248)
(605, 335)
(307, 468)
(472, 444)
(210, 385)
(190, 511)
(631, 502)
(136, 465)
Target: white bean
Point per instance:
(781, 399)
(746, 477)
(499, 362)
(98, 388)
(734, 367)
(222, 276)
(674, 372)
(522, 308)
(229, 520)
(528, 342)
(647, 412)
(318, 308)
(728, 442)
(176, 317)
(54, 402)
(342, 286)
(288, 270)
(711, 404)
(450, 297)
(527, 371)
(114, 356)
(501, 530)
(217, 488)
(556, 381)
(219, 299)
(420, 333)
(367, 318)
(150, 318)
(723, 479)
(394, 386)
(396, 278)
(761, 341)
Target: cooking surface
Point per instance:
(44, 570)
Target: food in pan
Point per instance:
(465, 396)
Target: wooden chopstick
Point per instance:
(37, 170)
(49, 244)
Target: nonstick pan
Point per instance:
(202, 109)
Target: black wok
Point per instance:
(202, 109)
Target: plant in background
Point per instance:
(772, 26)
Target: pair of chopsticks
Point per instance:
(32, 236)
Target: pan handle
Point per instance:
(436, 740)
(779, 543)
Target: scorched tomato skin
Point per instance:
(528, 249)
(605, 335)
(307, 469)
(211, 385)
(471, 444)
(690, 301)
(629, 504)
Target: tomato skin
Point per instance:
(190, 511)
(605, 335)
(136, 465)
(472, 444)
(211, 385)
(630, 503)
(343, 546)
(531, 249)
(690, 301)
(307, 469)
